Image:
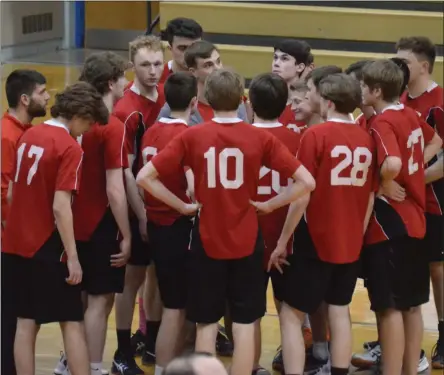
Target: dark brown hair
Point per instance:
(180, 88)
(421, 46)
(224, 90)
(356, 68)
(318, 74)
(80, 100)
(201, 49)
(385, 75)
(101, 68)
(342, 90)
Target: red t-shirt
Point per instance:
(12, 130)
(430, 106)
(103, 148)
(205, 111)
(398, 131)
(137, 113)
(48, 160)
(226, 156)
(363, 122)
(167, 70)
(154, 140)
(271, 184)
(341, 157)
(287, 119)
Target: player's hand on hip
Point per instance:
(278, 258)
(120, 259)
(143, 230)
(393, 190)
(262, 208)
(75, 271)
(190, 209)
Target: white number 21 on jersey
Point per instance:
(226, 153)
(351, 158)
(34, 151)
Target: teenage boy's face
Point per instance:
(313, 97)
(300, 106)
(178, 47)
(285, 66)
(417, 66)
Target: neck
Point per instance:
(226, 114)
(175, 67)
(339, 116)
(367, 111)
(109, 101)
(201, 92)
(182, 115)
(63, 121)
(419, 86)
(314, 119)
(145, 90)
(20, 114)
(381, 105)
(263, 121)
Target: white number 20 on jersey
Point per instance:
(360, 159)
(222, 160)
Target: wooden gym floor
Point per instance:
(62, 69)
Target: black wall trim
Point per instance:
(325, 44)
(389, 5)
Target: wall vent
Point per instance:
(37, 23)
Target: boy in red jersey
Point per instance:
(180, 34)
(268, 96)
(340, 155)
(226, 259)
(394, 265)
(292, 60)
(138, 110)
(46, 262)
(426, 97)
(301, 107)
(27, 98)
(169, 231)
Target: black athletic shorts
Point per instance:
(170, 251)
(434, 239)
(43, 294)
(277, 282)
(99, 277)
(397, 274)
(140, 251)
(215, 282)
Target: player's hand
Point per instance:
(278, 258)
(120, 259)
(143, 230)
(393, 190)
(262, 208)
(190, 209)
(75, 271)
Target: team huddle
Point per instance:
(178, 187)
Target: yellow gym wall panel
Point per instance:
(306, 21)
(116, 15)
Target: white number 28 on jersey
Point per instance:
(359, 159)
(222, 160)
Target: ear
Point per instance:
(25, 99)
(300, 68)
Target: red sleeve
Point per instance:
(307, 153)
(438, 115)
(8, 166)
(131, 123)
(167, 160)
(385, 139)
(278, 158)
(427, 131)
(68, 176)
(114, 136)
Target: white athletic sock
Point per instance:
(320, 350)
(96, 368)
(158, 370)
(306, 323)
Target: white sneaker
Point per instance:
(367, 359)
(62, 366)
(423, 362)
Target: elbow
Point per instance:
(58, 208)
(391, 168)
(140, 180)
(309, 183)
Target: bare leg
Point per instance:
(24, 346)
(257, 342)
(392, 341)
(74, 341)
(437, 276)
(244, 350)
(171, 337)
(341, 336)
(206, 338)
(413, 331)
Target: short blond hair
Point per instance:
(385, 75)
(342, 90)
(150, 42)
(224, 90)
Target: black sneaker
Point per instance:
(278, 362)
(148, 358)
(125, 366)
(438, 355)
(138, 343)
(224, 347)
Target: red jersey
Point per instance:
(167, 70)
(398, 131)
(154, 140)
(271, 184)
(363, 122)
(12, 130)
(430, 106)
(226, 156)
(341, 157)
(103, 148)
(48, 160)
(137, 113)
(205, 111)
(287, 119)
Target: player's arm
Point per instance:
(189, 175)
(368, 214)
(8, 166)
(436, 170)
(388, 153)
(432, 148)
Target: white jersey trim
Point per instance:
(57, 124)
(268, 125)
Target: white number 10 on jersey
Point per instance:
(222, 160)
